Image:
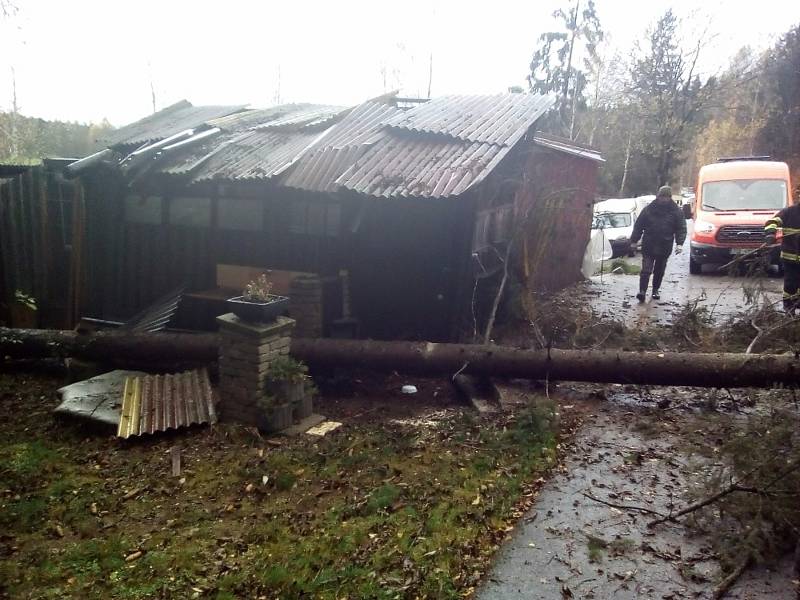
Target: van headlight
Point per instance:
(704, 227)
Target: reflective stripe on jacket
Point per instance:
(787, 220)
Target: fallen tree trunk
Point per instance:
(650, 368)
(121, 347)
(608, 366)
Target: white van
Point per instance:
(616, 217)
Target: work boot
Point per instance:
(640, 296)
(655, 295)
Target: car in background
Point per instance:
(734, 199)
(687, 202)
(616, 218)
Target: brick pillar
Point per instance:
(245, 353)
(305, 305)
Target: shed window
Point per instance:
(146, 211)
(190, 212)
(241, 214)
(315, 218)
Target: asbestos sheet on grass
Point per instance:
(96, 399)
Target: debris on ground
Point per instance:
(96, 399)
(324, 428)
(156, 403)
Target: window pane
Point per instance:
(190, 212)
(241, 214)
(741, 194)
(143, 210)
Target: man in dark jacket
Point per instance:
(658, 225)
(789, 221)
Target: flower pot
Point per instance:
(277, 418)
(286, 391)
(304, 407)
(258, 312)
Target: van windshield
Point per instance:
(612, 220)
(745, 194)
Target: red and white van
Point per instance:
(734, 198)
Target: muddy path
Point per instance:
(628, 453)
(724, 295)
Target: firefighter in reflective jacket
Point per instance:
(788, 220)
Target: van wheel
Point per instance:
(695, 268)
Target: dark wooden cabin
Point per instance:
(403, 209)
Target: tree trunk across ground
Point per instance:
(602, 366)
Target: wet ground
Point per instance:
(724, 295)
(572, 545)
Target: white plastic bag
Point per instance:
(598, 250)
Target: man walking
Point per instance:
(657, 226)
(789, 221)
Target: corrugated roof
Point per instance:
(152, 403)
(254, 155)
(501, 119)
(282, 116)
(567, 146)
(340, 147)
(414, 166)
(309, 116)
(166, 122)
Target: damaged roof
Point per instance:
(413, 166)
(501, 119)
(435, 148)
(567, 146)
(167, 122)
(257, 154)
(340, 147)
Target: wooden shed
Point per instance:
(400, 209)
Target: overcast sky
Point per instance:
(86, 60)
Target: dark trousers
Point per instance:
(655, 266)
(791, 284)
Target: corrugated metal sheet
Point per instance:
(501, 119)
(255, 155)
(157, 315)
(421, 166)
(285, 115)
(567, 147)
(166, 122)
(340, 148)
(154, 403)
(308, 116)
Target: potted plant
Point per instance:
(257, 303)
(24, 311)
(276, 414)
(288, 384)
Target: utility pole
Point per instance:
(430, 75)
(276, 97)
(14, 115)
(152, 86)
(568, 75)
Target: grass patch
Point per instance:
(620, 266)
(372, 511)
